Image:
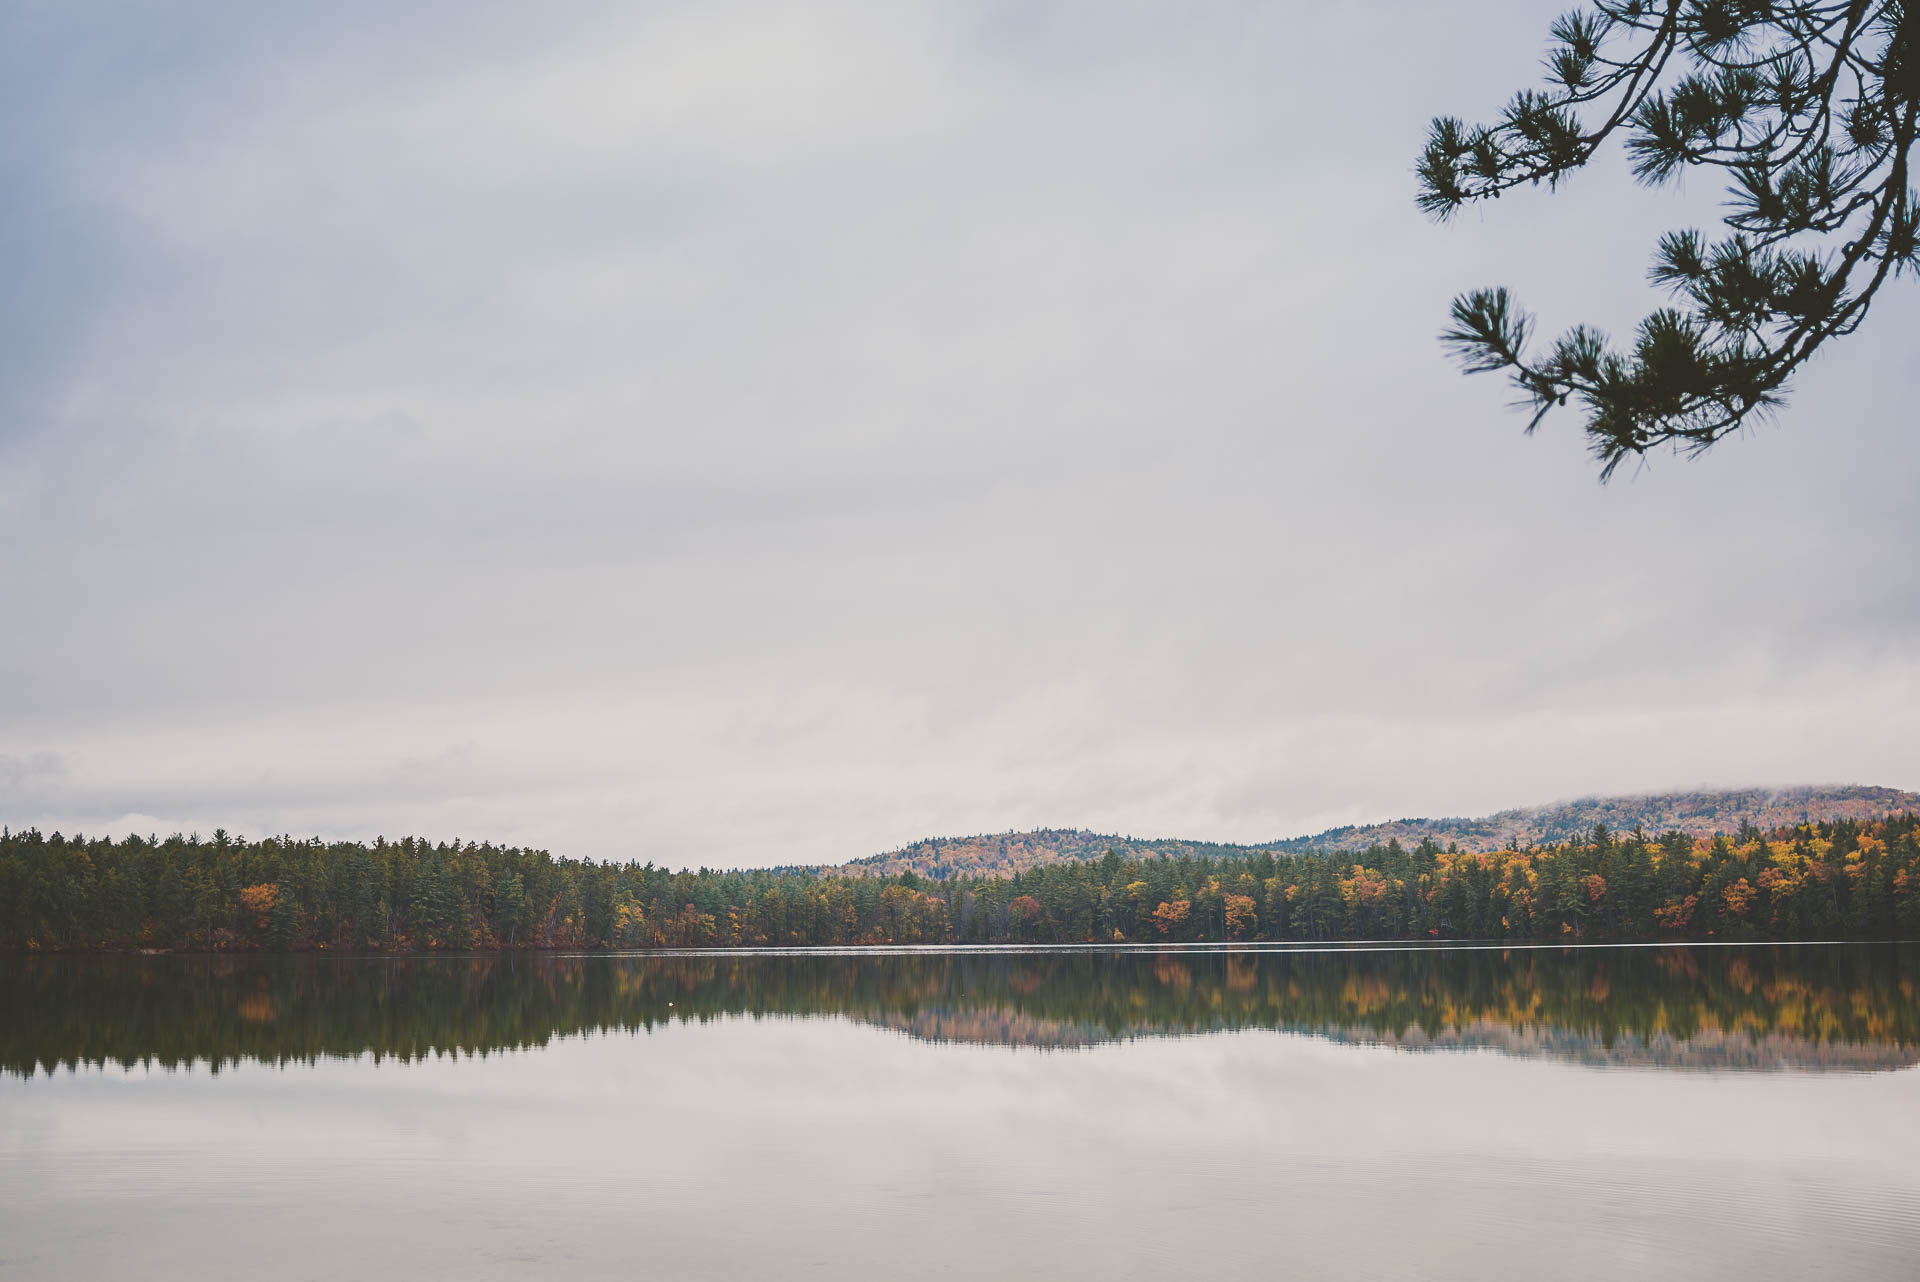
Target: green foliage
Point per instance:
(1814, 880)
(1808, 108)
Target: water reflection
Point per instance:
(1808, 1007)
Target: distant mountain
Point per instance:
(1699, 814)
(1003, 854)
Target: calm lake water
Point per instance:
(1460, 1113)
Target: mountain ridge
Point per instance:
(1697, 812)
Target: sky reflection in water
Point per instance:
(658, 1122)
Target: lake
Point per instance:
(1361, 1112)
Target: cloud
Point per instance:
(23, 774)
(728, 433)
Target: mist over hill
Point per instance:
(1697, 813)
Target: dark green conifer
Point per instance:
(1809, 110)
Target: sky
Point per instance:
(736, 434)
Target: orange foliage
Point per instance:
(1738, 896)
(1169, 917)
(1365, 888)
(1675, 914)
(259, 900)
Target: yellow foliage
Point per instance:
(1738, 896)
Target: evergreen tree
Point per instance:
(1808, 109)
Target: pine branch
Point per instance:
(1809, 108)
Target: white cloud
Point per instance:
(724, 434)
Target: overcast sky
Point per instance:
(736, 434)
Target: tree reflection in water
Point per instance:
(1808, 1007)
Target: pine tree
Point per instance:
(1809, 109)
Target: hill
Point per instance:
(1003, 854)
(1698, 813)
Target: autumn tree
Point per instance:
(1170, 917)
(258, 902)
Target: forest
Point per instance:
(1845, 879)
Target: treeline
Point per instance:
(1836, 880)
